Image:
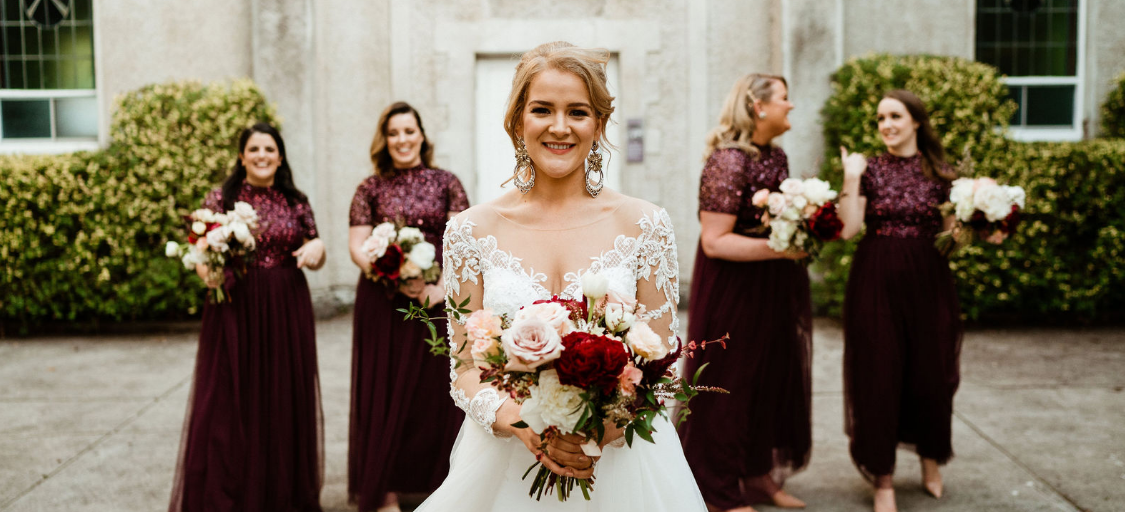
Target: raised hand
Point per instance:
(854, 163)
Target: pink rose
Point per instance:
(552, 313)
(777, 203)
(530, 343)
(482, 329)
(630, 377)
(761, 197)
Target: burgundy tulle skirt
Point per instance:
(902, 343)
(403, 422)
(253, 437)
(742, 446)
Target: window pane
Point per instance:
(13, 41)
(85, 43)
(50, 74)
(34, 77)
(84, 74)
(68, 77)
(11, 10)
(1028, 35)
(14, 75)
(1015, 93)
(1049, 105)
(82, 11)
(31, 41)
(76, 117)
(50, 42)
(26, 118)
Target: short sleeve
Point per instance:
(308, 222)
(360, 212)
(214, 201)
(723, 181)
(455, 193)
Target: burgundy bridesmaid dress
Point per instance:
(761, 431)
(253, 437)
(902, 323)
(403, 423)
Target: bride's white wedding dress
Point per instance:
(636, 252)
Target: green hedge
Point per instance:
(85, 232)
(1113, 110)
(1065, 261)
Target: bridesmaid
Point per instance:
(403, 423)
(902, 323)
(253, 438)
(742, 446)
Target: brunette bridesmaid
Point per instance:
(252, 438)
(742, 446)
(403, 423)
(902, 323)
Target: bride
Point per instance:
(536, 242)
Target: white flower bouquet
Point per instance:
(800, 216)
(221, 241)
(984, 210)
(398, 254)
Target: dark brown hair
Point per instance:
(381, 156)
(282, 180)
(933, 154)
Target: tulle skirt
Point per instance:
(253, 437)
(403, 422)
(902, 344)
(486, 476)
(743, 446)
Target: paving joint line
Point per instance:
(74, 458)
(1017, 462)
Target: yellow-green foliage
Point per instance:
(84, 233)
(1113, 110)
(1065, 260)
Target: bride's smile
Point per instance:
(558, 124)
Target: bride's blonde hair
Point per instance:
(586, 63)
(736, 120)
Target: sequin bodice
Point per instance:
(419, 197)
(282, 228)
(901, 201)
(731, 177)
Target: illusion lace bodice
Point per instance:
(641, 266)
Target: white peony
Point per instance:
(792, 187)
(594, 285)
(818, 191)
(410, 234)
(199, 228)
(1016, 194)
(645, 342)
(993, 201)
(781, 231)
(961, 195)
(192, 257)
(172, 249)
(375, 247)
(552, 404)
(800, 202)
(792, 213)
(385, 231)
(241, 232)
(617, 318)
(244, 213)
(529, 344)
(217, 238)
(203, 214)
(422, 254)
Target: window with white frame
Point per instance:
(47, 92)
(1037, 44)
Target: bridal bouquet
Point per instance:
(801, 216)
(400, 254)
(984, 209)
(576, 366)
(222, 241)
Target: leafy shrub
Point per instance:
(84, 232)
(1113, 110)
(1064, 262)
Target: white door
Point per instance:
(495, 156)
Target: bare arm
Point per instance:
(852, 204)
(720, 242)
(356, 236)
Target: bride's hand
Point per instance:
(566, 450)
(508, 414)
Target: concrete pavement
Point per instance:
(93, 423)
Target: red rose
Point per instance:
(390, 264)
(590, 361)
(577, 308)
(825, 224)
(1008, 225)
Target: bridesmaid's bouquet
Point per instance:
(397, 254)
(576, 367)
(222, 241)
(800, 216)
(984, 210)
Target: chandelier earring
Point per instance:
(523, 162)
(594, 165)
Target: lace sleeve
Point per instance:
(658, 274)
(462, 261)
